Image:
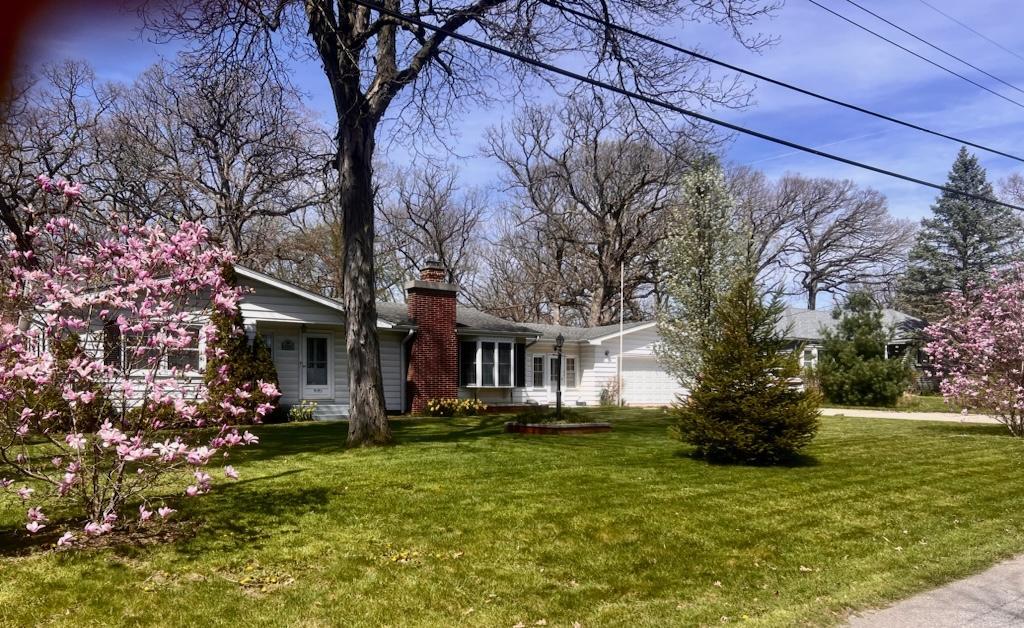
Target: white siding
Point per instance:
(266, 303)
(289, 374)
(645, 382)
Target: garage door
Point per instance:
(645, 383)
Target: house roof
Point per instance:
(466, 318)
(804, 324)
(585, 334)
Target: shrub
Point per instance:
(743, 408)
(609, 393)
(454, 407)
(234, 364)
(305, 411)
(852, 366)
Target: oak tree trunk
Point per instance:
(368, 423)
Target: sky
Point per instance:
(815, 50)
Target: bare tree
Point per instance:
(228, 149)
(1012, 188)
(843, 237)
(49, 127)
(426, 217)
(766, 212)
(376, 62)
(594, 189)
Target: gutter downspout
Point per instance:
(404, 367)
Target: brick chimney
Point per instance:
(433, 363)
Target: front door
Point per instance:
(317, 367)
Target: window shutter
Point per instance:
(520, 365)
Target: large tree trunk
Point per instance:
(812, 297)
(368, 422)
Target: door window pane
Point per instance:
(553, 372)
(538, 371)
(570, 372)
(316, 361)
(486, 363)
(504, 364)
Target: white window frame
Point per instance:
(565, 371)
(162, 369)
(480, 362)
(543, 371)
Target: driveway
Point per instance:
(949, 417)
(991, 599)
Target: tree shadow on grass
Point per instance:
(794, 461)
(411, 431)
(965, 429)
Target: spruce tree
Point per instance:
(853, 368)
(699, 258)
(245, 365)
(961, 244)
(744, 407)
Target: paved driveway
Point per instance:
(910, 416)
(991, 599)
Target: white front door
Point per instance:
(317, 367)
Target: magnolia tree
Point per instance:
(978, 350)
(99, 361)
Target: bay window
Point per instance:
(491, 364)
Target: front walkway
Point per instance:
(991, 599)
(949, 417)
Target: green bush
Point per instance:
(744, 407)
(247, 364)
(853, 368)
(305, 411)
(454, 407)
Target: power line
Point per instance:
(411, 19)
(921, 57)
(697, 55)
(934, 47)
(982, 35)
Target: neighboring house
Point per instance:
(806, 328)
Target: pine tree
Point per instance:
(700, 258)
(246, 365)
(744, 408)
(853, 368)
(961, 244)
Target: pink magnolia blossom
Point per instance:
(144, 514)
(139, 282)
(34, 526)
(230, 472)
(66, 539)
(36, 514)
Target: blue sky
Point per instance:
(815, 50)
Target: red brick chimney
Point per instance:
(433, 362)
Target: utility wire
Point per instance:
(934, 47)
(982, 35)
(921, 57)
(416, 21)
(697, 55)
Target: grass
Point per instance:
(908, 403)
(460, 524)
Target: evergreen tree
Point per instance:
(244, 365)
(853, 368)
(744, 408)
(961, 244)
(700, 258)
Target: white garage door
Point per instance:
(645, 383)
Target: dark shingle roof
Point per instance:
(580, 333)
(466, 317)
(803, 324)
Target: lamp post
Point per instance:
(559, 341)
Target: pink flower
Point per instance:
(75, 441)
(144, 515)
(165, 512)
(36, 514)
(192, 490)
(97, 529)
(25, 492)
(250, 439)
(230, 472)
(66, 539)
(70, 190)
(45, 182)
(34, 526)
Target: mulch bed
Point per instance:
(557, 428)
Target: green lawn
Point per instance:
(909, 403)
(460, 524)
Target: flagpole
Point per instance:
(622, 300)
